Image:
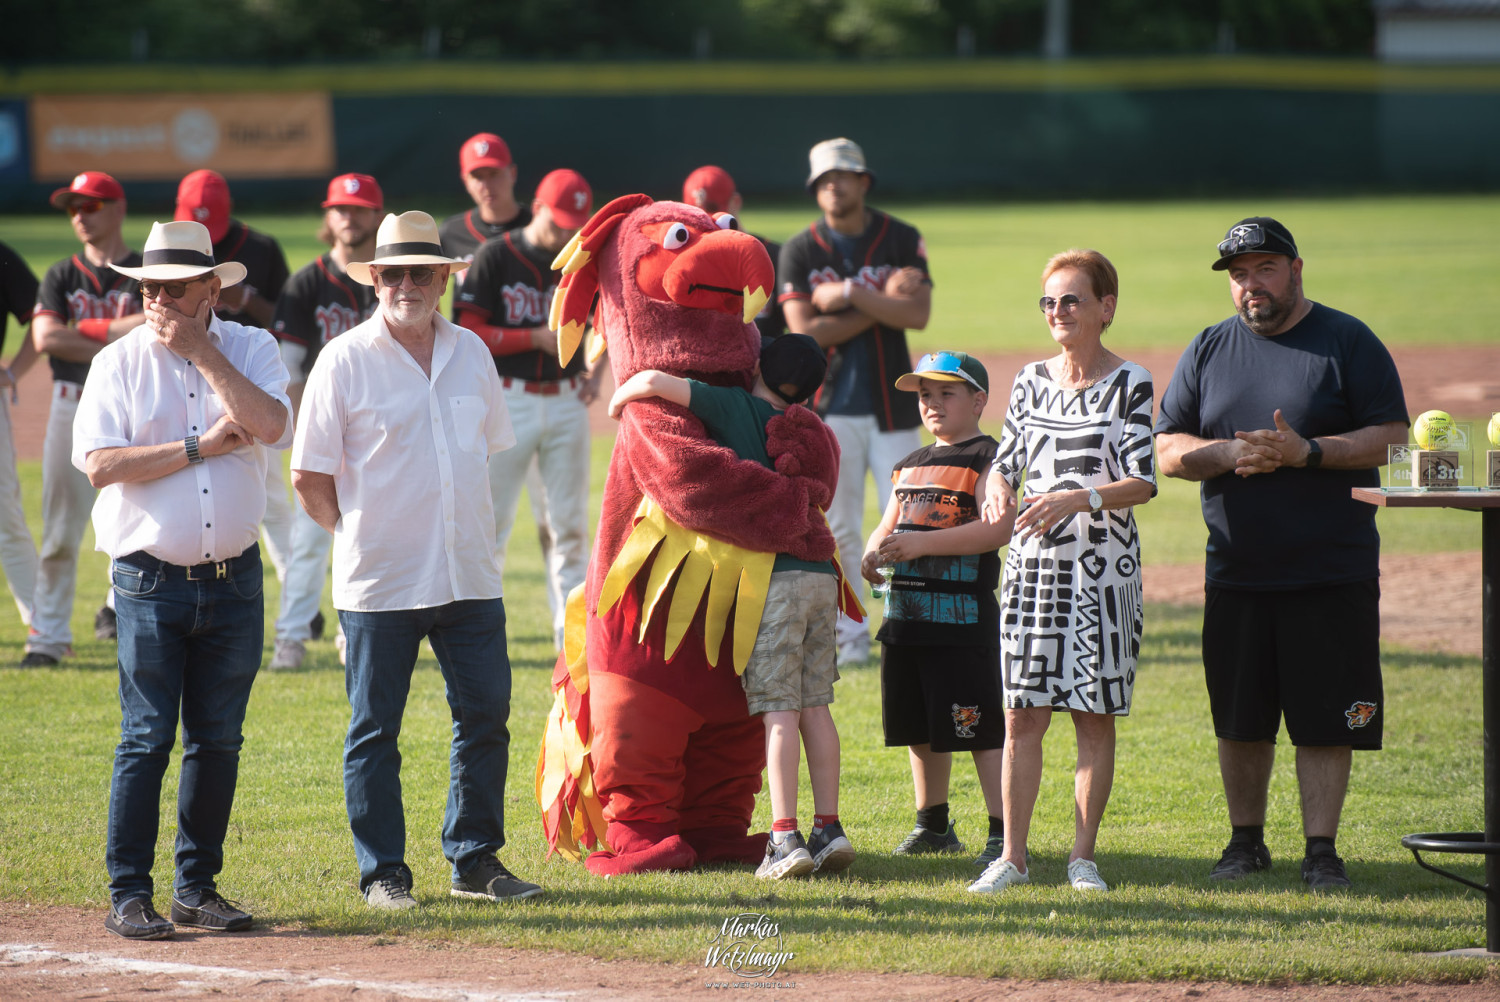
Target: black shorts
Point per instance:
(948, 697)
(1312, 654)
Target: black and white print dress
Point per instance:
(1070, 602)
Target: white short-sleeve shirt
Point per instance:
(140, 393)
(409, 457)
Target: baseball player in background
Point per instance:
(203, 197)
(319, 303)
(17, 551)
(857, 280)
(505, 300)
(489, 176)
(711, 189)
(83, 305)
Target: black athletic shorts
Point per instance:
(1312, 654)
(948, 697)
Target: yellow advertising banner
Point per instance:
(160, 137)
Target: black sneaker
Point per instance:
(1324, 870)
(36, 659)
(921, 841)
(994, 848)
(316, 626)
(134, 918)
(213, 912)
(490, 880)
(1241, 859)
(104, 624)
(787, 858)
(830, 849)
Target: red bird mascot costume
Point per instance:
(650, 756)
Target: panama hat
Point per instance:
(180, 250)
(410, 238)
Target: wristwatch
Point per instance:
(1314, 455)
(1096, 500)
(191, 445)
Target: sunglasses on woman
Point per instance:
(1067, 304)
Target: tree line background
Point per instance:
(296, 31)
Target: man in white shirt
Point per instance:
(167, 426)
(399, 418)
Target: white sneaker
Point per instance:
(1084, 876)
(288, 656)
(999, 875)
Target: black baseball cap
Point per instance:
(1255, 235)
(792, 359)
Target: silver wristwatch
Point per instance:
(190, 444)
(1096, 500)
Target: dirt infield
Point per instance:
(62, 953)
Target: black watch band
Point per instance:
(190, 444)
(1314, 454)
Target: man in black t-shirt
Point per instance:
(316, 305)
(506, 300)
(1279, 411)
(17, 551)
(83, 305)
(203, 197)
(856, 280)
(711, 189)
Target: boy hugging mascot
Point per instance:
(650, 757)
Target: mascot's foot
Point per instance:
(720, 845)
(672, 853)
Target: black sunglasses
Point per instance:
(421, 275)
(1245, 237)
(175, 290)
(1067, 304)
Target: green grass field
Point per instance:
(289, 854)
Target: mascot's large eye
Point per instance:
(676, 237)
(726, 221)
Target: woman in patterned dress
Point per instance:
(1078, 433)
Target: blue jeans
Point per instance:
(469, 640)
(194, 645)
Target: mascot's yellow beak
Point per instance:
(725, 270)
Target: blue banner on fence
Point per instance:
(15, 162)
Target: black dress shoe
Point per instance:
(213, 913)
(134, 918)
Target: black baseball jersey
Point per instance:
(318, 304)
(863, 370)
(770, 320)
(74, 290)
(462, 234)
(265, 265)
(510, 284)
(17, 290)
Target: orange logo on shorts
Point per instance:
(965, 719)
(1360, 714)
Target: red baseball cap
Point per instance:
(484, 150)
(569, 197)
(203, 197)
(709, 188)
(360, 190)
(89, 184)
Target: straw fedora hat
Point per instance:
(181, 250)
(410, 238)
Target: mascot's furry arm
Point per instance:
(704, 487)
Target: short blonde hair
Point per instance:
(1101, 274)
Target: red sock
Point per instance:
(785, 825)
(820, 820)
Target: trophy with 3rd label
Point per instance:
(1440, 460)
